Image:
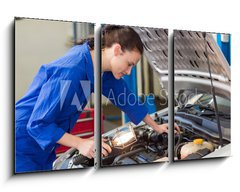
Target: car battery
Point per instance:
(83, 128)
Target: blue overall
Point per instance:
(54, 101)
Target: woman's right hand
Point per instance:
(86, 147)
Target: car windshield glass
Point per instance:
(206, 100)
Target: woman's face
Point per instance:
(123, 62)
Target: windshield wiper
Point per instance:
(201, 107)
(211, 113)
(198, 110)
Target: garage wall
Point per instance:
(37, 42)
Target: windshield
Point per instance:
(206, 100)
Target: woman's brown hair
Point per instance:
(123, 35)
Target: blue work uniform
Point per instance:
(53, 103)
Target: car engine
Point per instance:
(198, 137)
(141, 144)
(130, 145)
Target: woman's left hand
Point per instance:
(163, 128)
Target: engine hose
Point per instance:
(186, 139)
(71, 152)
(179, 139)
(118, 158)
(137, 145)
(80, 159)
(177, 149)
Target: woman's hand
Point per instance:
(163, 128)
(159, 128)
(86, 147)
(106, 149)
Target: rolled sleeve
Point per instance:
(45, 135)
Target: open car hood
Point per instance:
(191, 64)
(155, 43)
(190, 60)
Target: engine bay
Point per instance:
(198, 137)
(141, 144)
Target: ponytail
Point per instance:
(90, 41)
(123, 35)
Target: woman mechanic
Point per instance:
(52, 104)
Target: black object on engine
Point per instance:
(82, 160)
